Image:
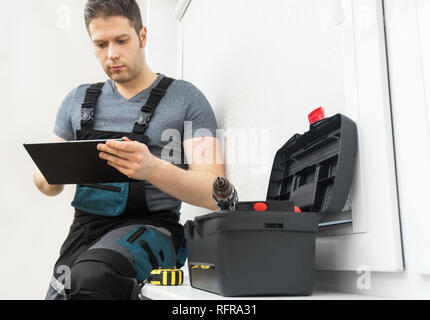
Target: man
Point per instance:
(122, 231)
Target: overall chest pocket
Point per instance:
(105, 199)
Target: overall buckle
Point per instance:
(144, 119)
(87, 115)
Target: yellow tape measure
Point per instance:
(166, 277)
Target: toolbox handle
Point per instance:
(189, 227)
(274, 225)
(198, 227)
(193, 227)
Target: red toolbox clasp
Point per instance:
(316, 115)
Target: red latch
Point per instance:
(260, 206)
(297, 209)
(316, 115)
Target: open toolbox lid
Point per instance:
(315, 169)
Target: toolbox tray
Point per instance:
(247, 252)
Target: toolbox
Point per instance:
(266, 247)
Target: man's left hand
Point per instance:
(131, 158)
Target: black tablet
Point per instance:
(73, 162)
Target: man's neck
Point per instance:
(130, 89)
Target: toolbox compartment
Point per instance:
(247, 252)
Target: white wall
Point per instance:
(164, 33)
(45, 52)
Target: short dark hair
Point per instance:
(110, 8)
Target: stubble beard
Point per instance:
(127, 73)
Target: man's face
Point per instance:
(118, 47)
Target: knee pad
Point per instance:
(150, 249)
(102, 274)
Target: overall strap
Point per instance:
(148, 109)
(89, 105)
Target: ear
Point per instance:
(143, 36)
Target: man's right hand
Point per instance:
(41, 183)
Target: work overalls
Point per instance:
(114, 241)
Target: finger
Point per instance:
(126, 146)
(123, 170)
(113, 151)
(126, 139)
(115, 160)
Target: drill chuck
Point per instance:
(224, 194)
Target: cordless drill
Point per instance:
(224, 194)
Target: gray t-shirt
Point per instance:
(183, 113)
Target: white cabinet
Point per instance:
(375, 241)
(408, 27)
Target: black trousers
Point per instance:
(109, 257)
